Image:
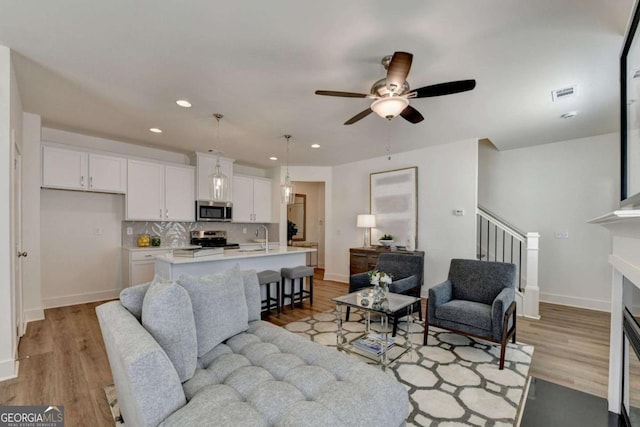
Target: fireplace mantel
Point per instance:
(624, 226)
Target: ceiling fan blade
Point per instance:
(447, 88)
(398, 70)
(412, 115)
(359, 116)
(342, 94)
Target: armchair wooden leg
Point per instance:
(506, 332)
(503, 348)
(426, 327)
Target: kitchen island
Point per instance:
(171, 267)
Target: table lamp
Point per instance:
(366, 221)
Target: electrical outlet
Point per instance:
(129, 231)
(244, 230)
(561, 234)
(458, 212)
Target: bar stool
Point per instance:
(292, 274)
(267, 278)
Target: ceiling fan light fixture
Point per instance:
(389, 107)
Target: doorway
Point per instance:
(308, 218)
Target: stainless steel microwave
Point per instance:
(207, 210)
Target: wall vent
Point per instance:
(564, 93)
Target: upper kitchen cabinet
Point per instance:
(158, 192)
(205, 166)
(251, 199)
(72, 169)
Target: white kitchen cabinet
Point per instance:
(72, 169)
(179, 199)
(251, 199)
(139, 265)
(107, 173)
(205, 166)
(158, 192)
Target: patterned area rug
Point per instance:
(453, 381)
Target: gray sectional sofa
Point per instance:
(196, 353)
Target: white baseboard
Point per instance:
(588, 303)
(33, 314)
(8, 369)
(80, 298)
(336, 277)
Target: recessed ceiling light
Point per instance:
(273, 158)
(569, 115)
(183, 103)
(155, 130)
(315, 145)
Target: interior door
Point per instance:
(18, 253)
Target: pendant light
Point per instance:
(287, 194)
(218, 182)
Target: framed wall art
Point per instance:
(394, 201)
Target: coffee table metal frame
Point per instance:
(392, 305)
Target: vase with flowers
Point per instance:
(380, 281)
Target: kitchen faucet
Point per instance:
(266, 236)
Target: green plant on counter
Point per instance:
(387, 237)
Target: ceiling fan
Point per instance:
(391, 94)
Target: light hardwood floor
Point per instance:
(63, 360)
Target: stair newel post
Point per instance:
(532, 290)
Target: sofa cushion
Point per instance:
(219, 306)
(252, 294)
(168, 316)
(466, 312)
(269, 376)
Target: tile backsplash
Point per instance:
(177, 234)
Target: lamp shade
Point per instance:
(366, 221)
(389, 107)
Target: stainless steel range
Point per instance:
(212, 239)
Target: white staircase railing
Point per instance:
(497, 240)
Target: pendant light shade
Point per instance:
(287, 190)
(218, 182)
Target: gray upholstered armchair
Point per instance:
(406, 269)
(478, 299)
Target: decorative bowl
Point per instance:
(386, 243)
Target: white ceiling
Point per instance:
(115, 68)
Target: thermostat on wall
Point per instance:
(458, 212)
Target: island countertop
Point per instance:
(170, 267)
(236, 254)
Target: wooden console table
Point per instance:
(365, 259)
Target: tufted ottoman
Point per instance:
(269, 376)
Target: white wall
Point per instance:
(447, 180)
(559, 187)
(31, 271)
(78, 265)
(102, 144)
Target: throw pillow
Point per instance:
(131, 298)
(252, 294)
(168, 316)
(219, 306)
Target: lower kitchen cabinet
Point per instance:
(139, 265)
